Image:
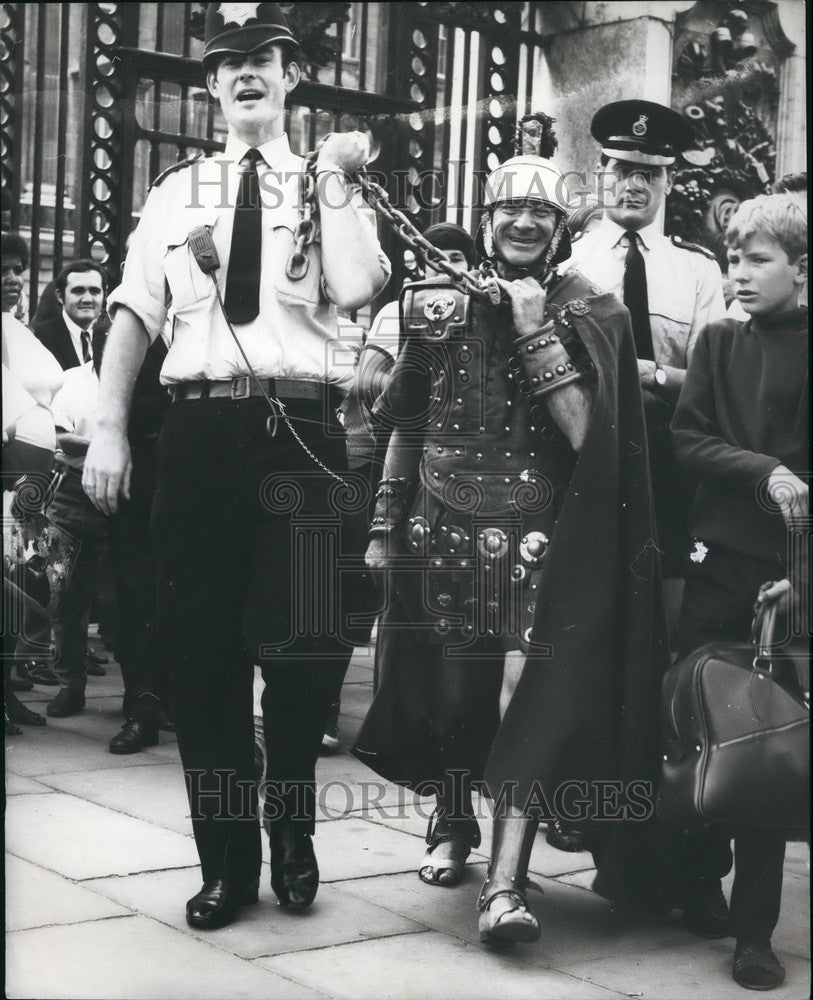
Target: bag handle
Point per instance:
(762, 636)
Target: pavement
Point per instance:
(100, 861)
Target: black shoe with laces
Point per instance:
(756, 967)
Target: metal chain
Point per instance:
(305, 231)
(478, 282)
(304, 447)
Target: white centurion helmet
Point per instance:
(530, 175)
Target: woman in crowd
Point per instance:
(31, 377)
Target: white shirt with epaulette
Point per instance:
(684, 284)
(295, 334)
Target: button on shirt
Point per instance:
(295, 334)
(684, 287)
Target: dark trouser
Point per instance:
(718, 605)
(134, 637)
(245, 527)
(73, 512)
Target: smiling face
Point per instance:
(765, 280)
(251, 90)
(634, 193)
(83, 297)
(12, 282)
(522, 230)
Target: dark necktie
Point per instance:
(243, 277)
(85, 338)
(636, 298)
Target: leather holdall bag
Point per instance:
(736, 725)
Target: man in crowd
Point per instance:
(80, 290)
(249, 452)
(671, 288)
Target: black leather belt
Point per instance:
(243, 387)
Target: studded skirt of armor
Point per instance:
(476, 574)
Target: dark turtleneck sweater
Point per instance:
(743, 411)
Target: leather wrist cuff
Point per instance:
(556, 378)
(391, 502)
(546, 362)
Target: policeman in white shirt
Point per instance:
(672, 288)
(249, 455)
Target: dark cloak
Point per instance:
(587, 709)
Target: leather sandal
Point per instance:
(511, 925)
(447, 872)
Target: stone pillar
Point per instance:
(610, 52)
(791, 124)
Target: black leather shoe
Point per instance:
(19, 684)
(218, 903)
(97, 658)
(565, 837)
(92, 668)
(134, 736)
(18, 712)
(66, 703)
(706, 914)
(294, 872)
(756, 967)
(40, 673)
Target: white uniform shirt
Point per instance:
(76, 404)
(295, 334)
(684, 287)
(76, 332)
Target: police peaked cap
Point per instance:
(642, 132)
(242, 28)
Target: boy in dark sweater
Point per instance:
(742, 429)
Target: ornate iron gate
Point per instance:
(116, 94)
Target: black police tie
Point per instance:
(85, 339)
(243, 277)
(636, 299)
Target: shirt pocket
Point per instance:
(189, 288)
(672, 317)
(308, 289)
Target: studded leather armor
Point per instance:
(493, 472)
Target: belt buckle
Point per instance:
(240, 387)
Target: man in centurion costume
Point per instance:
(517, 480)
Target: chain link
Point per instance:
(478, 282)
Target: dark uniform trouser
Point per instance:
(136, 648)
(718, 605)
(245, 527)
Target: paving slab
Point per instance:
(17, 785)
(154, 792)
(82, 840)
(428, 966)
(336, 917)
(38, 898)
(792, 934)
(575, 924)
(356, 700)
(51, 750)
(134, 957)
(353, 848)
(700, 971)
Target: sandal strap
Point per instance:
(466, 831)
(515, 896)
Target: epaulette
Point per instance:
(694, 247)
(187, 161)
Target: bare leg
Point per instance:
(512, 671)
(504, 916)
